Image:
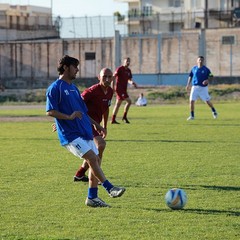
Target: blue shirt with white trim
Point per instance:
(198, 75)
(66, 98)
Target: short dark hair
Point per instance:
(201, 57)
(66, 60)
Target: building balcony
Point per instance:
(126, 1)
(220, 15)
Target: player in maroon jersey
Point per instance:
(98, 99)
(123, 76)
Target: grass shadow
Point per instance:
(198, 211)
(221, 188)
(156, 140)
(213, 187)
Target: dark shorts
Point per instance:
(121, 95)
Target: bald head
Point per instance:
(126, 62)
(105, 70)
(105, 77)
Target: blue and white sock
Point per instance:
(107, 185)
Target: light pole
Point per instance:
(206, 15)
(52, 8)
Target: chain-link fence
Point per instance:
(134, 23)
(91, 27)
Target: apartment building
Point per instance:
(19, 22)
(154, 16)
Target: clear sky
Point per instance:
(76, 8)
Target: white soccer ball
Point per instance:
(176, 198)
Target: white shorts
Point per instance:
(199, 92)
(79, 147)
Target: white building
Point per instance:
(154, 16)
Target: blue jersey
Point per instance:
(198, 75)
(66, 98)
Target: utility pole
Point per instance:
(52, 8)
(206, 15)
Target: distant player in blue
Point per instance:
(199, 77)
(74, 127)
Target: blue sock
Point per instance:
(192, 113)
(213, 109)
(92, 193)
(107, 185)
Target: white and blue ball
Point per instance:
(176, 198)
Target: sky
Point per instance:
(76, 8)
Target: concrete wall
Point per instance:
(13, 34)
(32, 64)
(223, 58)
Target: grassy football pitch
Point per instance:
(157, 151)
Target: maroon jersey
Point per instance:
(97, 101)
(122, 75)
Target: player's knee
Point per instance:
(101, 146)
(129, 101)
(91, 158)
(119, 104)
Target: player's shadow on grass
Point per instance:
(226, 123)
(157, 140)
(212, 211)
(200, 211)
(221, 188)
(214, 187)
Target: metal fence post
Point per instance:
(117, 41)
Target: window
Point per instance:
(134, 12)
(228, 40)
(90, 56)
(174, 3)
(147, 10)
(175, 27)
(236, 13)
(236, 3)
(223, 5)
(196, 4)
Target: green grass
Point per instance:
(157, 151)
(24, 110)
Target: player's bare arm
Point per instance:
(105, 118)
(132, 82)
(59, 115)
(113, 82)
(189, 84)
(98, 127)
(206, 82)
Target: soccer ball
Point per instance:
(176, 198)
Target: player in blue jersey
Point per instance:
(74, 128)
(199, 77)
